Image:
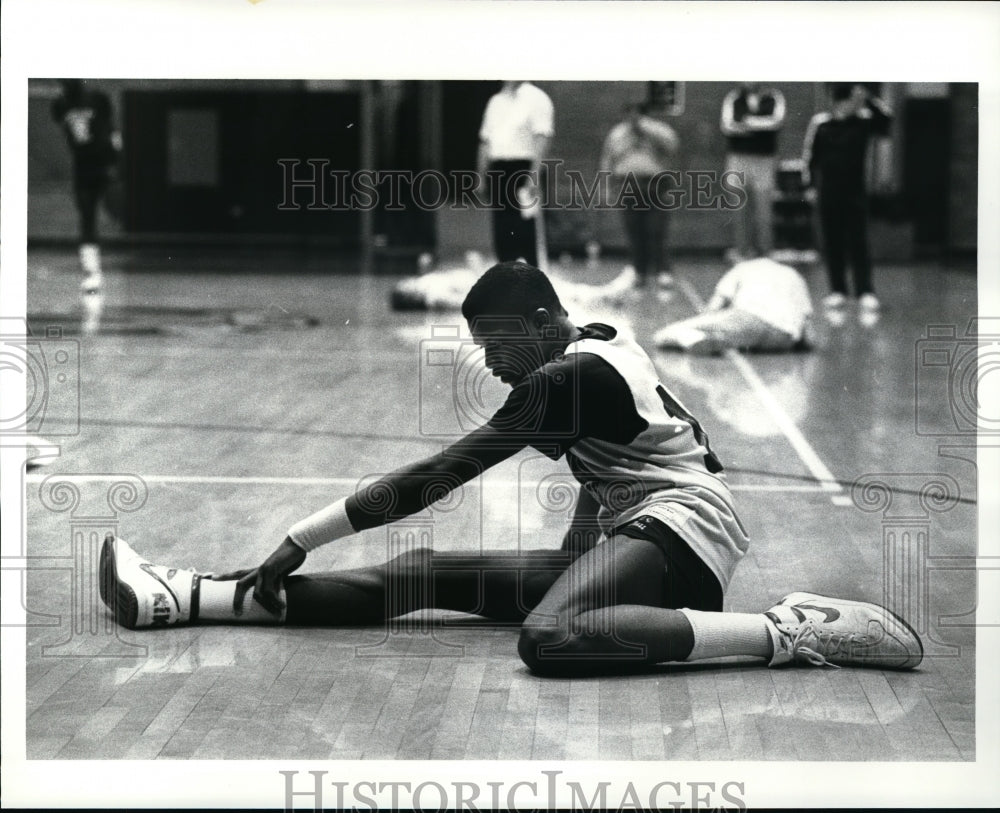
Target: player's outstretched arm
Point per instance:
(399, 494)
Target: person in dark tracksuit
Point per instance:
(85, 116)
(836, 145)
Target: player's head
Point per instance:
(515, 314)
(511, 288)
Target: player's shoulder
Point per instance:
(601, 346)
(589, 344)
(597, 331)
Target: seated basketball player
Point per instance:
(640, 576)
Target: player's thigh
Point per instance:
(621, 570)
(505, 586)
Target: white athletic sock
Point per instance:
(90, 258)
(717, 635)
(217, 605)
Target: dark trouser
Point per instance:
(88, 191)
(646, 227)
(513, 235)
(844, 220)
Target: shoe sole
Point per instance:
(794, 598)
(122, 597)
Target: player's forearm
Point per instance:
(395, 496)
(407, 491)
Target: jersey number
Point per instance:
(675, 410)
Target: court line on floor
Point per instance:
(337, 482)
(824, 477)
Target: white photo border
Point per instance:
(302, 39)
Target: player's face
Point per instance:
(512, 346)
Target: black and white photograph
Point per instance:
(513, 416)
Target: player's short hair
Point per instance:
(511, 288)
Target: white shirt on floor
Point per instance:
(770, 290)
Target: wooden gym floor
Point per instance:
(239, 391)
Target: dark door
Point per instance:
(462, 107)
(208, 161)
(927, 144)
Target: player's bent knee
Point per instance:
(533, 644)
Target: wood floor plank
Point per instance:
(459, 708)
(583, 724)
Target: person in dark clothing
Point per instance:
(86, 118)
(836, 146)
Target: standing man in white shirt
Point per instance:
(514, 137)
(758, 305)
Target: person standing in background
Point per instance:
(86, 118)
(513, 139)
(635, 152)
(752, 117)
(834, 152)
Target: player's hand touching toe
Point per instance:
(266, 580)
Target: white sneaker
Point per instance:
(144, 595)
(869, 302)
(835, 316)
(824, 631)
(834, 300)
(868, 318)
